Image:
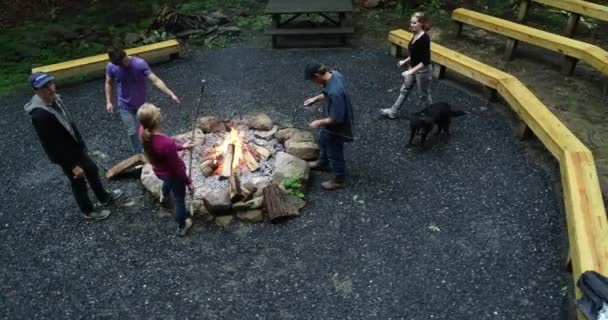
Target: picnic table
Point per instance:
(284, 12)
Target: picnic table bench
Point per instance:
(284, 12)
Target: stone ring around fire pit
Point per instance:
(239, 166)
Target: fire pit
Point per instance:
(239, 167)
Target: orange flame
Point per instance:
(235, 139)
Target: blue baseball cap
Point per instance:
(39, 79)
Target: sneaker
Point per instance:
(114, 195)
(97, 215)
(184, 231)
(332, 184)
(319, 166)
(388, 112)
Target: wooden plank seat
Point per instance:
(312, 31)
(97, 64)
(573, 50)
(577, 8)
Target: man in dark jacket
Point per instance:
(64, 145)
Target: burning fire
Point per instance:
(239, 148)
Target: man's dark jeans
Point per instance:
(177, 188)
(332, 151)
(79, 185)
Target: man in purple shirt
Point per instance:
(130, 73)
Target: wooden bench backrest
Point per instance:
(584, 8)
(594, 55)
(98, 62)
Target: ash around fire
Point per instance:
(212, 141)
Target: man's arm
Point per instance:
(314, 99)
(162, 87)
(108, 89)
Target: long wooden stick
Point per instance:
(196, 110)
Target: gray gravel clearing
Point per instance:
(497, 253)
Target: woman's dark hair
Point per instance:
(117, 55)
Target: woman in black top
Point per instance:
(420, 70)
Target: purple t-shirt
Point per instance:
(131, 80)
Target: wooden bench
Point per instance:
(151, 53)
(577, 8)
(293, 9)
(573, 50)
(585, 212)
(449, 59)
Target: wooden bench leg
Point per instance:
(510, 49)
(523, 131)
(396, 50)
(524, 5)
(572, 24)
(458, 28)
(275, 42)
(568, 65)
(489, 93)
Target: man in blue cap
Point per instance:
(65, 147)
(336, 128)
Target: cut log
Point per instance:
(261, 151)
(252, 164)
(227, 166)
(274, 203)
(126, 164)
(236, 193)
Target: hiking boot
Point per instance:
(388, 112)
(114, 195)
(319, 166)
(97, 215)
(333, 184)
(184, 231)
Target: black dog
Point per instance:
(423, 121)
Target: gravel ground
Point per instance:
(495, 252)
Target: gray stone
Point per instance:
(258, 121)
(295, 135)
(254, 203)
(304, 150)
(223, 221)
(267, 135)
(211, 124)
(251, 216)
(287, 165)
(217, 202)
(150, 181)
(199, 137)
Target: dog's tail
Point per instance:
(456, 113)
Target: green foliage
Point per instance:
(293, 186)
